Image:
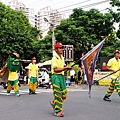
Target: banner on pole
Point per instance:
(89, 62)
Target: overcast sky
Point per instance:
(64, 6)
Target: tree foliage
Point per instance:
(44, 48)
(115, 3)
(16, 33)
(116, 15)
(85, 29)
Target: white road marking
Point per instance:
(26, 91)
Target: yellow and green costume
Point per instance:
(58, 83)
(114, 65)
(33, 69)
(13, 65)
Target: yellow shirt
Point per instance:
(33, 68)
(57, 62)
(12, 76)
(115, 65)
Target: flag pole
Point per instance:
(108, 75)
(76, 62)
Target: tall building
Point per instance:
(53, 16)
(29, 12)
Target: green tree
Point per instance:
(116, 15)
(115, 3)
(16, 33)
(110, 45)
(44, 48)
(84, 29)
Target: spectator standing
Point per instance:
(80, 76)
(72, 76)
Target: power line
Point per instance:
(100, 11)
(73, 4)
(87, 6)
(72, 11)
(65, 6)
(84, 7)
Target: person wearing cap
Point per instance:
(33, 75)
(113, 65)
(58, 80)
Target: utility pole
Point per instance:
(53, 34)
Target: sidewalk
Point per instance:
(85, 86)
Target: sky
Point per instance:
(64, 6)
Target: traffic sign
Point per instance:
(68, 53)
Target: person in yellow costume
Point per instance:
(113, 65)
(58, 80)
(13, 66)
(33, 75)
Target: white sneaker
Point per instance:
(18, 95)
(8, 94)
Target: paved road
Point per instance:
(78, 105)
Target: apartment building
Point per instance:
(53, 16)
(29, 12)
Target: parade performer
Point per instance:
(33, 75)
(113, 65)
(58, 80)
(12, 65)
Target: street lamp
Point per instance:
(53, 35)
